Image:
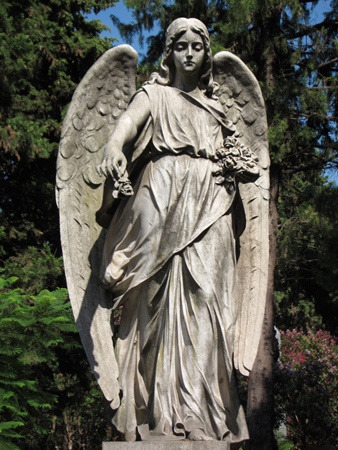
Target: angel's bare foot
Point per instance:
(198, 435)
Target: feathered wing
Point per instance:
(99, 100)
(242, 100)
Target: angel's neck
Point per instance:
(186, 84)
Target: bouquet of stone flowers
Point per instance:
(123, 187)
(235, 160)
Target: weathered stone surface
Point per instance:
(186, 251)
(166, 445)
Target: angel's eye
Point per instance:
(179, 46)
(198, 47)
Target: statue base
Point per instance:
(169, 445)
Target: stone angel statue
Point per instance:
(163, 197)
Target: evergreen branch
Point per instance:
(10, 425)
(5, 444)
(305, 30)
(327, 63)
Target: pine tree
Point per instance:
(46, 47)
(288, 53)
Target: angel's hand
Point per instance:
(113, 164)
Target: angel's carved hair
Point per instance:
(176, 29)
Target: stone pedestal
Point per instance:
(166, 445)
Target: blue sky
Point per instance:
(121, 11)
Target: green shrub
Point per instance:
(31, 328)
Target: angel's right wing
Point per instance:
(243, 103)
(101, 97)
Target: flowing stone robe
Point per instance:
(169, 259)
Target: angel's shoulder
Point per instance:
(153, 90)
(154, 94)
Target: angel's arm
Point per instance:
(127, 128)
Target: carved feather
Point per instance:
(243, 103)
(101, 97)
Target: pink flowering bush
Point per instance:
(117, 317)
(306, 387)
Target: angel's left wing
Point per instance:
(101, 97)
(242, 100)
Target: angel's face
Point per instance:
(188, 53)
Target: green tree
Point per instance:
(295, 59)
(31, 328)
(288, 52)
(48, 397)
(46, 47)
(48, 393)
(306, 287)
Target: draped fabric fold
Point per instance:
(169, 259)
